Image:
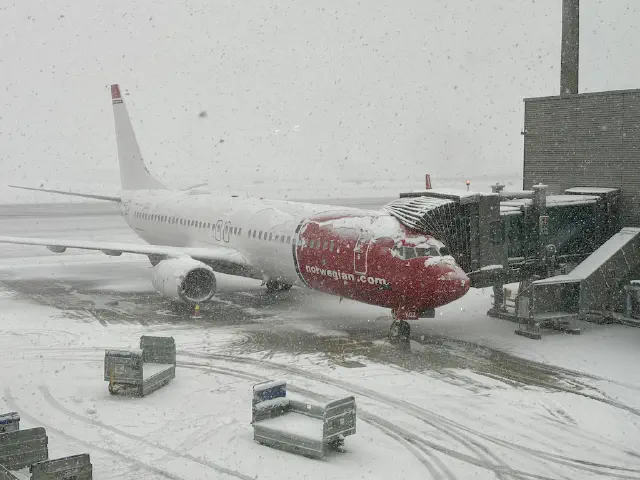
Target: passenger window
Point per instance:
(289, 240)
(270, 236)
(275, 238)
(282, 239)
(318, 245)
(254, 233)
(331, 246)
(312, 243)
(239, 231)
(260, 235)
(325, 245)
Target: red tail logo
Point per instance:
(115, 92)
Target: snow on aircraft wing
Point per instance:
(213, 253)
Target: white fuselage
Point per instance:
(261, 230)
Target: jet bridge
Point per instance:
(504, 237)
(521, 237)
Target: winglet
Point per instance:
(115, 94)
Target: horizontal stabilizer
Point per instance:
(60, 192)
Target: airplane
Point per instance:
(364, 255)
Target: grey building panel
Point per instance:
(631, 157)
(585, 140)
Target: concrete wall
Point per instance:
(588, 139)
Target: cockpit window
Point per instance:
(431, 251)
(407, 253)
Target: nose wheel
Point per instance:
(400, 331)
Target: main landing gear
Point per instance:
(276, 286)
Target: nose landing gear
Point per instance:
(400, 331)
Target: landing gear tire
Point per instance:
(400, 331)
(276, 286)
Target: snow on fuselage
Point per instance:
(363, 255)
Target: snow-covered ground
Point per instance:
(468, 399)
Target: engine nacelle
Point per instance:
(184, 279)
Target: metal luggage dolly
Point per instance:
(30, 448)
(9, 422)
(298, 427)
(21, 448)
(138, 372)
(75, 467)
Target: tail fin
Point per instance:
(133, 172)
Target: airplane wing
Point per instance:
(214, 254)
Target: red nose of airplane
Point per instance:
(457, 284)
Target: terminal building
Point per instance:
(586, 140)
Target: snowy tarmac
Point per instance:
(466, 399)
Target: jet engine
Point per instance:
(184, 279)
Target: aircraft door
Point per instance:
(218, 230)
(361, 253)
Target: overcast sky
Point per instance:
(292, 91)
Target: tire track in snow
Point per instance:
(426, 416)
(419, 453)
(413, 410)
(481, 451)
(236, 374)
(174, 453)
(11, 402)
(499, 469)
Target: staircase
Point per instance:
(592, 286)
